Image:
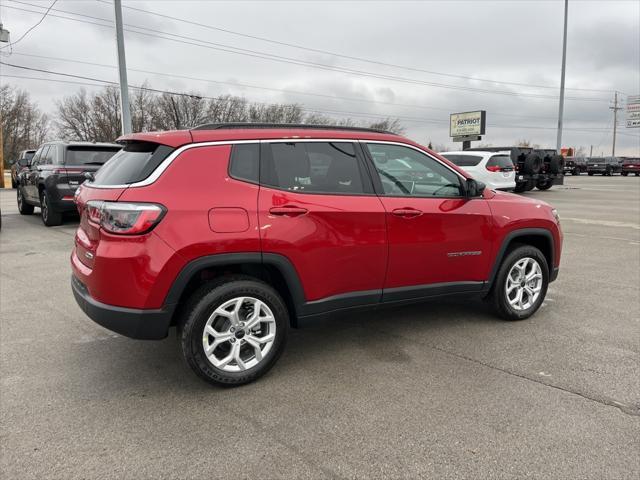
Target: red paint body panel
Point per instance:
(338, 246)
(420, 246)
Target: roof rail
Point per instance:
(240, 125)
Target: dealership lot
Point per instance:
(438, 389)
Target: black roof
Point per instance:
(242, 125)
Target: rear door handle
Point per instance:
(288, 211)
(406, 212)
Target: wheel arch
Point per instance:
(540, 238)
(274, 269)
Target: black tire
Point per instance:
(204, 301)
(532, 164)
(590, 174)
(520, 187)
(530, 185)
(50, 217)
(637, 174)
(498, 296)
(556, 165)
(575, 172)
(624, 174)
(544, 184)
(608, 172)
(23, 207)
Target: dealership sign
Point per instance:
(633, 111)
(467, 123)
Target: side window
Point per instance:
(245, 161)
(405, 172)
(313, 167)
(47, 155)
(36, 158)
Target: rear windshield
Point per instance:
(597, 160)
(89, 155)
(463, 160)
(135, 162)
(502, 161)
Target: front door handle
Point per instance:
(288, 211)
(407, 212)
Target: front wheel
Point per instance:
(23, 207)
(520, 284)
(233, 330)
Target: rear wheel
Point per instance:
(590, 174)
(544, 184)
(624, 174)
(50, 217)
(233, 330)
(23, 207)
(520, 284)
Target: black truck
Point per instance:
(535, 167)
(55, 172)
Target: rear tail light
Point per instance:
(125, 218)
(494, 168)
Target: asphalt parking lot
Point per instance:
(441, 390)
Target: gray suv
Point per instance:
(55, 172)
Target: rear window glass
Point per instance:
(134, 163)
(502, 161)
(29, 155)
(462, 160)
(90, 155)
(245, 162)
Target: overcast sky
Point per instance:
(513, 41)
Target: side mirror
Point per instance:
(474, 188)
(89, 176)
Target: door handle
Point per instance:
(407, 212)
(288, 211)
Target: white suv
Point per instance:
(494, 169)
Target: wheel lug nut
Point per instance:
(233, 340)
(232, 330)
(242, 324)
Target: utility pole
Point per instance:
(564, 65)
(615, 109)
(4, 38)
(125, 112)
(591, 151)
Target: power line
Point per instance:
(11, 44)
(288, 60)
(341, 55)
(293, 92)
(305, 109)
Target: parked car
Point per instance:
(234, 233)
(21, 162)
(495, 170)
(54, 174)
(575, 165)
(630, 165)
(603, 165)
(535, 168)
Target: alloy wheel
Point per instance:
(524, 284)
(239, 334)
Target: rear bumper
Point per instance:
(130, 322)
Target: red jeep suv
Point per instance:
(234, 233)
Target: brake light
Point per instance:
(125, 218)
(494, 168)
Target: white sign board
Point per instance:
(467, 123)
(633, 111)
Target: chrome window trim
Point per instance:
(167, 161)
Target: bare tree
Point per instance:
(23, 125)
(92, 118)
(389, 124)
